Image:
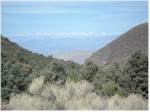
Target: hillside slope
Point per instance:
(121, 48)
(19, 66)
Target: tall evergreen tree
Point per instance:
(135, 75)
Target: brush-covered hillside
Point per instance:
(19, 66)
(31, 81)
(123, 47)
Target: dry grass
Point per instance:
(132, 102)
(36, 85)
(27, 102)
(72, 96)
(90, 102)
(5, 106)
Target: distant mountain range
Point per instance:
(53, 46)
(121, 48)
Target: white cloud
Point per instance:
(86, 34)
(67, 35)
(77, 34)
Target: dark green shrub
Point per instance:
(110, 89)
(89, 71)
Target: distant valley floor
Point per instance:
(77, 56)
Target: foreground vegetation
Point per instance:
(71, 96)
(59, 85)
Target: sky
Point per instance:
(57, 19)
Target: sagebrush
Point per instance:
(72, 96)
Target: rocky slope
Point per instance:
(121, 48)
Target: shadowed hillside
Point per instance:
(121, 49)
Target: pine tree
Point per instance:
(135, 75)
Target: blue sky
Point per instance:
(71, 19)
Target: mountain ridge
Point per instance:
(121, 48)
